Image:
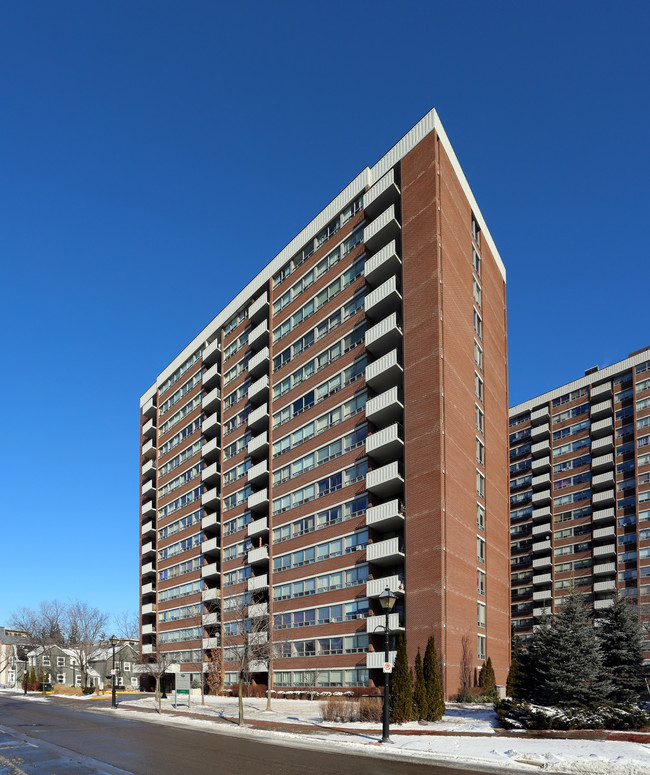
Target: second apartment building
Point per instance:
(339, 428)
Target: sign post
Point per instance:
(182, 686)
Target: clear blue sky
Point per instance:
(145, 142)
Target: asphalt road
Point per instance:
(52, 738)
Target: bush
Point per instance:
(70, 691)
(523, 715)
(88, 690)
(339, 709)
(371, 709)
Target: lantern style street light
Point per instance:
(387, 601)
(113, 642)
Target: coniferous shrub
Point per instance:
(420, 705)
(620, 638)
(401, 687)
(487, 680)
(514, 680)
(435, 697)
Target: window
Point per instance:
(476, 289)
(476, 231)
(480, 516)
(480, 648)
(480, 420)
(480, 452)
(480, 549)
(476, 261)
(60, 678)
(478, 387)
(480, 614)
(46, 662)
(60, 661)
(480, 582)
(480, 484)
(478, 355)
(478, 325)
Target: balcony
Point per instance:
(602, 428)
(212, 569)
(542, 562)
(605, 551)
(386, 444)
(149, 449)
(211, 400)
(148, 509)
(258, 446)
(210, 643)
(604, 533)
(258, 583)
(604, 515)
(210, 426)
(375, 659)
(386, 516)
(599, 604)
(210, 619)
(540, 415)
(259, 336)
(386, 407)
(539, 432)
(258, 556)
(148, 570)
(210, 474)
(541, 497)
(259, 473)
(386, 552)
(258, 419)
(210, 522)
(148, 529)
(600, 481)
(542, 578)
(149, 429)
(539, 449)
(210, 594)
(258, 391)
(148, 549)
(543, 513)
(600, 410)
(543, 594)
(377, 623)
(211, 450)
(383, 265)
(148, 489)
(211, 498)
(258, 609)
(541, 611)
(211, 377)
(604, 586)
(380, 231)
(149, 407)
(542, 546)
(147, 648)
(384, 336)
(604, 568)
(384, 193)
(605, 498)
(259, 308)
(602, 463)
(375, 587)
(604, 390)
(259, 501)
(149, 469)
(542, 465)
(212, 353)
(210, 546)
(602, 446)
(385, 481)
(258, 527)
(259, 363)
(542, 529)
(383, 300)
(148, 589)
(149, 609)
(385, 372)
(541, 482)
(148, 629)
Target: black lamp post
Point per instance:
(113, 642)
(387, 600)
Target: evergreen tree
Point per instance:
(420, 709)
(620, 640)
(514, 680)
(401, 687)
(435, 697)
(487, 680)
(32, 675)
(563, 664)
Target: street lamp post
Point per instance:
(113, 641)
(387, 600)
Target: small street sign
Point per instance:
(113, 672)
(388, 668)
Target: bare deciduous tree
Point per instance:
(157, 664)
(45, 625)
(127, 625)
(214, 675)
(84, 626)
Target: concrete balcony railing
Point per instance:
(259, 308)
(259, 363)
(384, 336)
(148, 529)
(386, 516)
(603, 533)
(258, 556)
(386, 552)
(383, 300)
(149, 609)
(258, 527)
(211, 400)
(258, 446)
(602, 516)
(542, 546)
(211, 546)
(543, 594)
(608, 550)
(601, 409)
(211, 569)
(541, 497)
(211, 498)
(149, 449)
(375, 659)
(542, 465)
(212, 353)
(602, 463)
(147, 648)
(541, 513)
(384, 193)
(387, 444)
(210, 594)
(211, 618)
(149, 407)
(258, 609)
(541, 482)
(382, 230)
(147, 570)
(602, 446)
(259, 501)
(148, 629)
(210, 522)
(375, 587)
(258, 583)
(542, 562)
(601, 481)
(385, 372)
(211, 450)
(377, 623)
(542, 578)
(604, 568)
(258, 419)
(149, 469)
(604, 390)
(607, 603)
(385, 481)
(148, 489)
(211, 377)
(148, 509)
(602, 428)
(210, 474)
(539, 432)
(148, 549)
(539, 449)
(259, 336)
(259, 473)
(149, 429)
(258, 391)
(542, 529)
(604, 586)
(210, 426)
(604, 498)
(386, 407)
(383, 265)
(210, 643)
(540, 415)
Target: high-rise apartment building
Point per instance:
(340, 428)
(580, 492)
